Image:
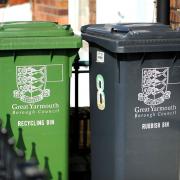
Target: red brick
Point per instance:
(172, 15)
(2, 5)
(48, 17)
(92, 11)
(177, 5)
(55, 3)
(63, 4)
(14, 2)
(172, 3)
(50, 10)
(63, 20)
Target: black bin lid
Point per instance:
(133, 37)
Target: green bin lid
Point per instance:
(37, 35)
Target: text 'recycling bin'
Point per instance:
(35, 65)
(135, 106)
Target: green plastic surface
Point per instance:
(37, 35)
(34, 90)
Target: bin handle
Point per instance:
(142, 60)
(173, 62)
(51, 55)
(118, 28)
(14, 56)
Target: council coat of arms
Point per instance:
(154, 86)
(31, 83)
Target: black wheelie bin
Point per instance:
(135, 101)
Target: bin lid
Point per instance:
(132, 37)
(37, 35)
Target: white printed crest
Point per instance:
(154, 86)
(31, 83)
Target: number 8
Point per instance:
(100, 92)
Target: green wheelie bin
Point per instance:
(35, 68)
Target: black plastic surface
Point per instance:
(136, 136)
(137, 37)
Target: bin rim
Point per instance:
(37, 35)
(132, 37)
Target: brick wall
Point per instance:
(57, 10)
(15, 2)
(50, 10)
(175, 13)
(92, 11)
(12, 2)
